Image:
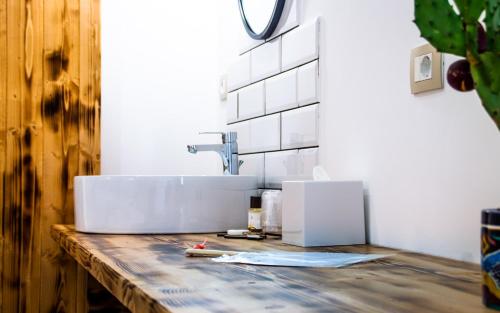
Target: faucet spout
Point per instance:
(192, 149)
(199, 148)
(228, 152)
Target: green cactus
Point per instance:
(463, 35)
(492, 21)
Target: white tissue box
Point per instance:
(323, 213)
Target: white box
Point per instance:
(323, 213)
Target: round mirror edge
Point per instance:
(271, 26)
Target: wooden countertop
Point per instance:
(149, 273)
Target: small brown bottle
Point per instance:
(255, 215)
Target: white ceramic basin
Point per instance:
(162, 204)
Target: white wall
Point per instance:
(429, 162)
(160, 74)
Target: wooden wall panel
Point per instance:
(32, 140)
(3, 125)
(49, 132)
(12, 218)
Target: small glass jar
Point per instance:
(255, 215)
(271, 211)
(490, 257)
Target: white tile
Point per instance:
(266, 60)
(251, 101)
(308, 159)
(253, 164)
(279, 166)
(299, 127)
(308, 83)
(281, 92)
(243, 135)
(300, 45)
(232, 107)
(265, 133)
(238, 73)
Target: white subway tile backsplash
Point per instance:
(232, 107)
(266, 60)
(300, 45)
(280, 166)
(251, 101)
(265, 133)
(253, 164)
(275, 107)
(238, 73)
(243, 135)
(299, 128)
(308, 84)
(281, 92)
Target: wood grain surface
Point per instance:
(49, 132)
(150, 273)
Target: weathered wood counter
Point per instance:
(149, 273)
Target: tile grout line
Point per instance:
(274, 75)
(273, 113)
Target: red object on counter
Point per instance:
(201, 245)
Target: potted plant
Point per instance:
(470, 29)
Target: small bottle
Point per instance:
(271, 211)
(255, 215)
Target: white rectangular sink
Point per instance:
(162, 204)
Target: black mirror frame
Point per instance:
(271, 25)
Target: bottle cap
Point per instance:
(255, 202)
(490, 217)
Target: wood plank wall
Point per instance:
(49, 132)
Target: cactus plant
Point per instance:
(463, 34)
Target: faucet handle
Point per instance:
(226, 136)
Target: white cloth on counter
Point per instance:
(298, 259)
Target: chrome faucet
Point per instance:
(228, 151)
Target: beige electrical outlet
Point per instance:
(426, 69)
